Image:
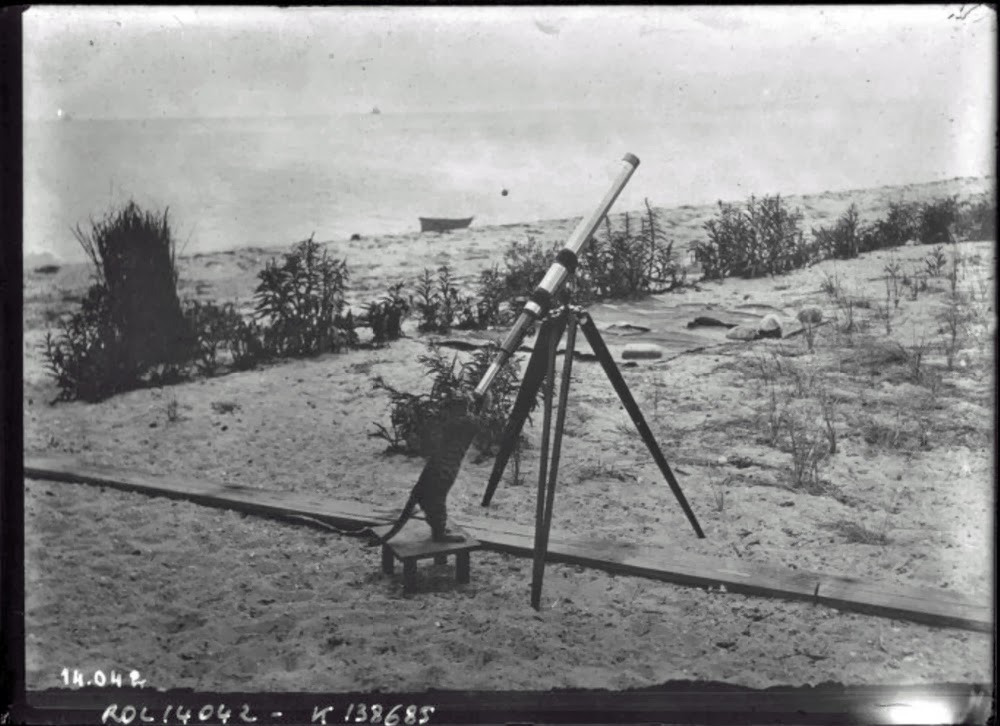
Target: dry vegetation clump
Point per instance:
(385, 316)
(413, 415)
(802, 400)
(130, 328)
(798, 415)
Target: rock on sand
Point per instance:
(743, 332)
(642, 351)
(769, 327)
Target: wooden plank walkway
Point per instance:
(925, 605)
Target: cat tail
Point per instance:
(404, 517)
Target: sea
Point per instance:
(269, 182)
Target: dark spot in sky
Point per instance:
(91, 44)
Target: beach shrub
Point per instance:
(386, 315)
(300, 304)
(492, 303)
(85, 357)
(624, 262)
(844, 240)
(936, 261)
(666, 272)
(629, 262)
(937, 220)
(897, 228)
(762, 238)
(525, 265)
(130, 328)
(437, 301)
(487, 307)
(214, 327)
(614, 263)
(414, 417)
(246, 344)
(492, 418)
(442, 308)
(977, 219)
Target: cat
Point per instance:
(449, 440)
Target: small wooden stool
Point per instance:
(414, 543)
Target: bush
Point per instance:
(613, 264)
(414, 417)
(977, 220)
(437, 301)
(502, 393)
(936, 261)
(85, 359)
(526, 263)
(937, 219)
(895, 230)
(762, 239)
(844, 240)
(629, 263)
(300, 303)
(665, 271)
(385, 316)
(246, 344)
(493, 303)
(214, 328)
(130, 326)
(441, 308)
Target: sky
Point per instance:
(136, 62)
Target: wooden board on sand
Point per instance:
(925, 605)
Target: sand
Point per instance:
(213, 600)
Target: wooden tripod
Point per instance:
(541, 369)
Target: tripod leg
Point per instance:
(542, 541)
(621, 388)
(534, 373)
(543, 457)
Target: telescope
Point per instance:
(540, 302)
(540, 374)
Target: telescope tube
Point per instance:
(563, 266)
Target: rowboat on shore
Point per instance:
(443, 224)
